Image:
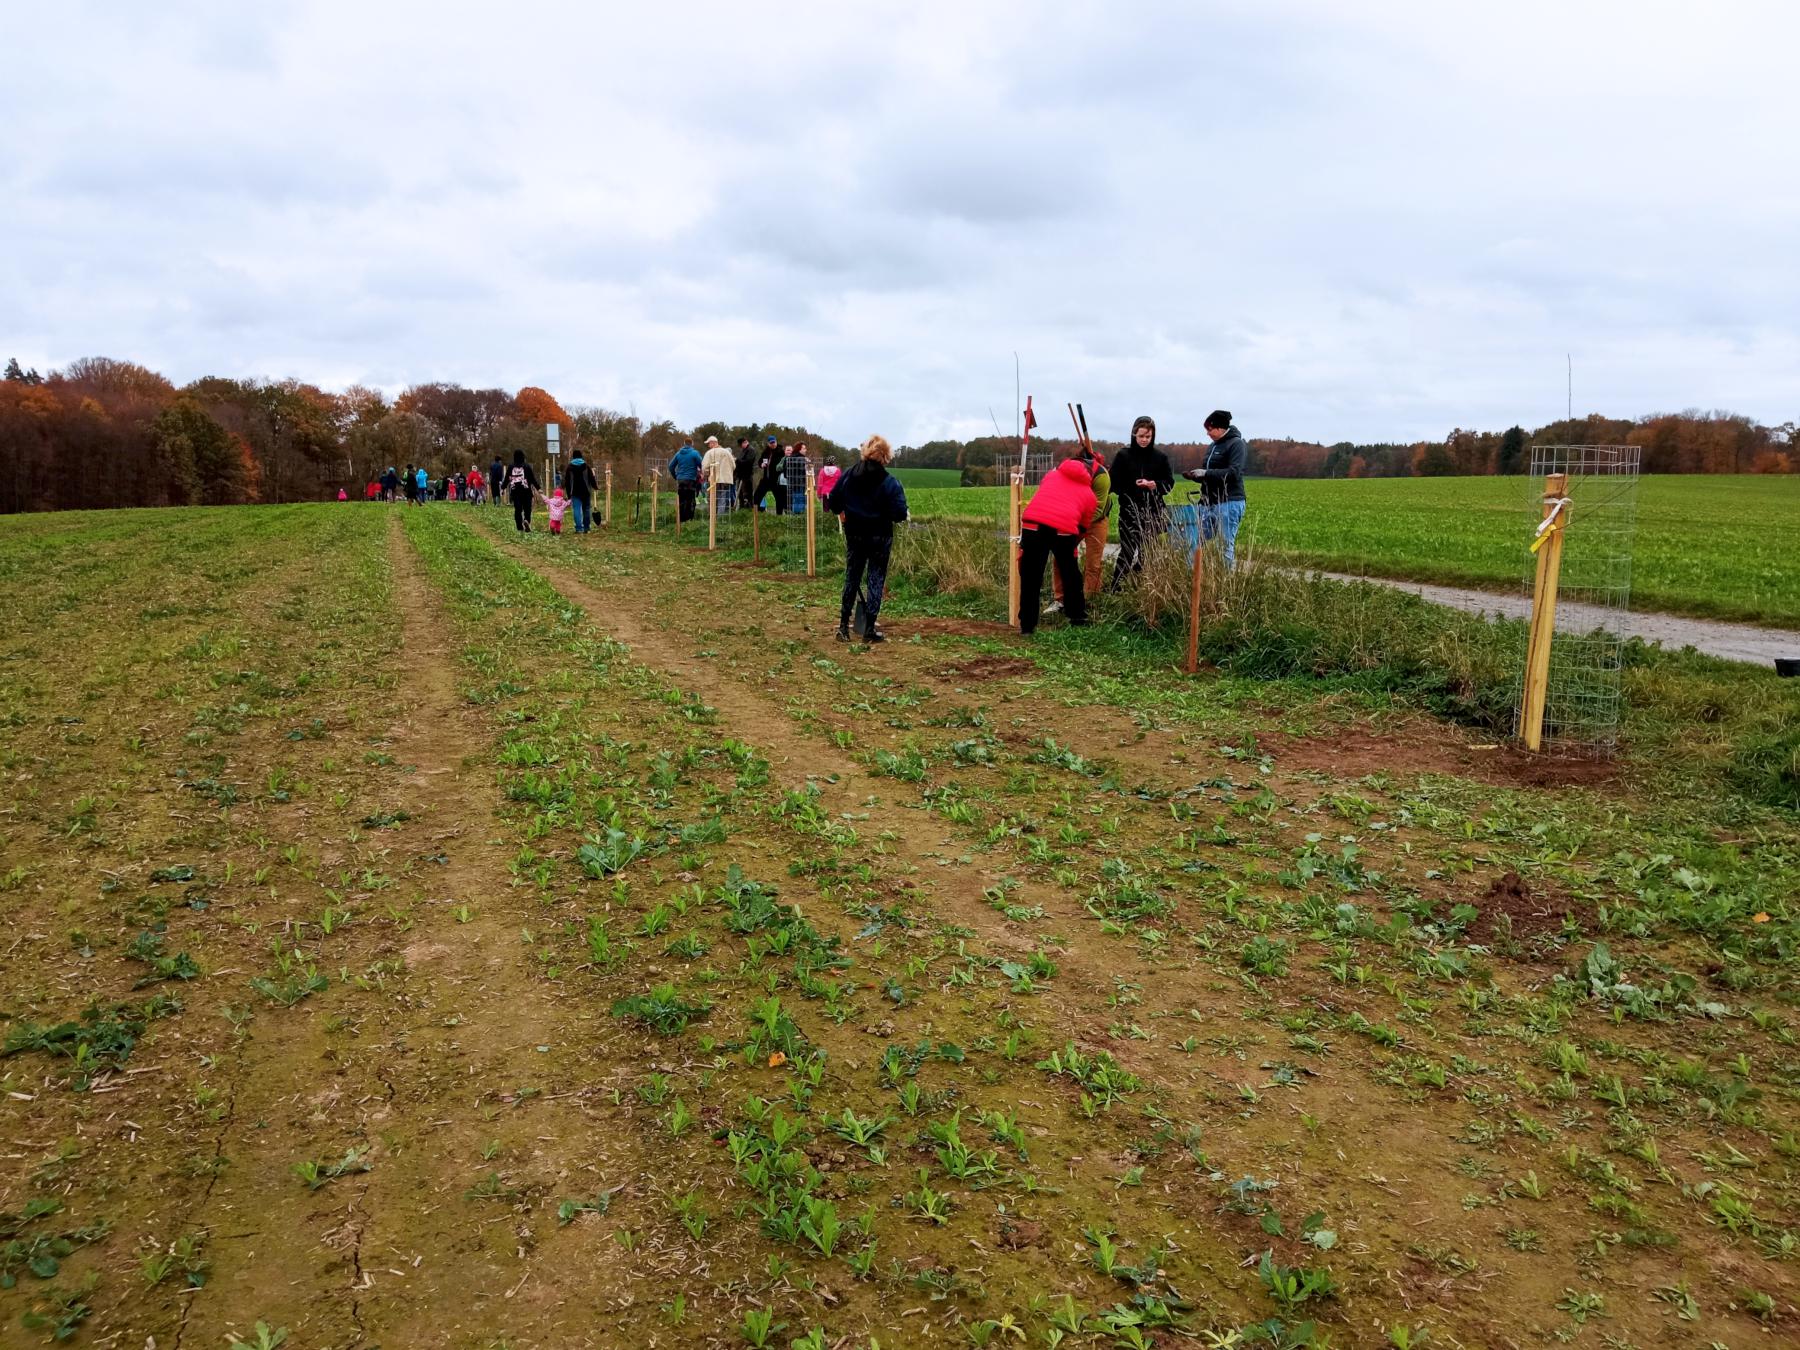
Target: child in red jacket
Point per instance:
(1058, 512)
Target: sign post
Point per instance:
(552, 448)
(607, 518)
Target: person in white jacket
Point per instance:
(719, 466)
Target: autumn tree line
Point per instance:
(103, 433)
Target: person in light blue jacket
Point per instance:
(685, 470)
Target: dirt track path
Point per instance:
(1727, 641)
(933, 852)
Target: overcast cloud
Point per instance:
(1372, 221)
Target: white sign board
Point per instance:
(552, 436)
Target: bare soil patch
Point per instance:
(984, 668)
(1436, 749)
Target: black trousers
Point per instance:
(1136, 525)
(743, 498)
(1035, 545)
(864, 555)
(521, 502)
(684, 498)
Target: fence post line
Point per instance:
(607, 518)
(812, 556)
(655, 486)
(1543, 613)
(1193, 652)
(1014, 491)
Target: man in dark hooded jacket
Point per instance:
(769, 482)
(744, 474)
(1141, 477)
(579, 484)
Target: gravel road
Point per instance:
(1728, 641)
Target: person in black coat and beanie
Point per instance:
(1141, 477)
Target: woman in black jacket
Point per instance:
(871, 502)
(521, 485)
(1141, 477)
(1221, 480)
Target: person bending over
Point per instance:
(1055, 518)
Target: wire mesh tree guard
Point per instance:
(1595, 510)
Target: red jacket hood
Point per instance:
(1065, 500)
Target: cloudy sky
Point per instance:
(1370, 221)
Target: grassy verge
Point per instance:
(1708, 545)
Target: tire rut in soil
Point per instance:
(377, 1257)
(922, 840)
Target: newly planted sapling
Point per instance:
(315, 1174)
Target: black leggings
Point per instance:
(521, 500)
(864, 553)
(1037, 543)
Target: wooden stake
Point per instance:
(655, 484)
(607, 518)
(712, 514)
(756, 534)
(1014, 492)
(812, 554)
(1193, 661)
(1543, 616)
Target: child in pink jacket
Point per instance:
(558, 505)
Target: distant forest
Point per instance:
(103, 432)
(1687, 442)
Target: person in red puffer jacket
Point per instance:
(1058, 512)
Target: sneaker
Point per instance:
(1052, 607)
(875, 635)
(843, 632)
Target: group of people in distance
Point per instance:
(1065, 523)
(1069, 512)
(745, 479)
(418, 486)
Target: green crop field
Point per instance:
(1709, 545)
(934, 479)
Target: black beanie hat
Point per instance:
(1219, 418)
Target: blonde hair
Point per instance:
(877, 449)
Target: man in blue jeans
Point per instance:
(578, 485)
(1221, 480)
